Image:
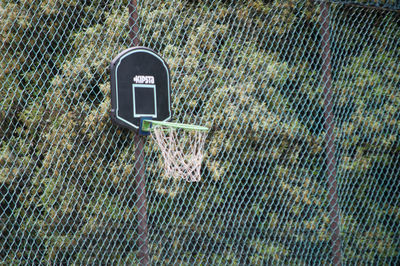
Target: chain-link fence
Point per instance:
(302, 159)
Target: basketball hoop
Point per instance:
(181, 146)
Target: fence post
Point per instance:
(329, 136)
(133, 23)
(141, 202)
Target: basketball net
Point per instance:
(182, 151)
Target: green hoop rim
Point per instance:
(146, 125)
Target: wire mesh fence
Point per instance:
(302, 159)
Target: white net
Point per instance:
(182, 151)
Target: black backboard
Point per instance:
(140, 87)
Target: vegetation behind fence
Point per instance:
(303, 102)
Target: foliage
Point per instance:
(251, 71)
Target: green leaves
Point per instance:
(249, 70)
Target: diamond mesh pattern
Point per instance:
(303, 102)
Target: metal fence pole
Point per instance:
(141, 202)
(133, 23)
(330, 137)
